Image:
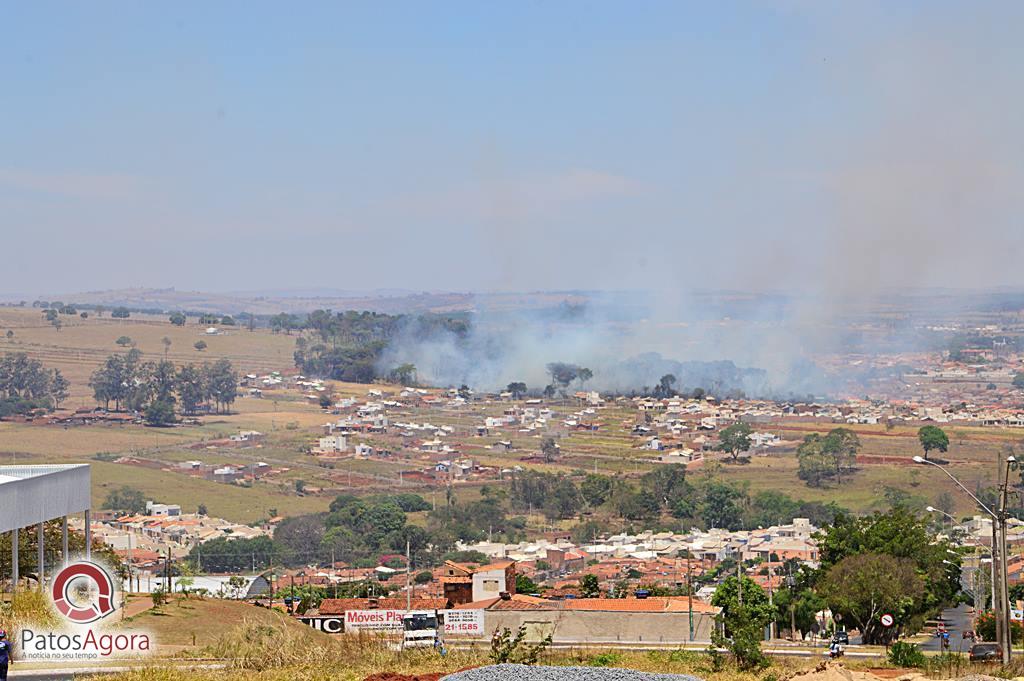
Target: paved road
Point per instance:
(957, 620)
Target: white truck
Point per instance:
(423, 629)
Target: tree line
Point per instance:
(348, 346)
(361, 531)
(663, 497)
(158, 388)
(26, 385)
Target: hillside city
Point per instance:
(455, 341)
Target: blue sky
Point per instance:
(515, 146)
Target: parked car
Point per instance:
(985, 652)
(842, 638)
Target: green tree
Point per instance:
(864, 587)
(221, 382)
(932, 437)
(584, 375)
(59, 388)
(842, 445)
(163, 381)
(284, 322)
(590, 587)
(404, 374)
(159, 413)
(1018, 380)
(200, 345)
(664, 387)
(722, 505)
(227, 320)
(191, 388)
(815, 466)
(901, 534)
(549, 449)
(124, 341)
(745, 613)
(167, 345)
(587, 531)
(636, 505)
(667, 484)
(562, 373)
(126, 499)
(525, 585)
(177, 318)
(517, 388)
(735, 439)
(798, 605)
(300, 537)
(596, 489)
(563, 500)
(120, 313)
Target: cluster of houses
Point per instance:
(479, 598)
(148, 538)
(661, 559)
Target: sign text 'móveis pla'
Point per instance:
(85, 595)
(466, 622)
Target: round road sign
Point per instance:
(887, 620)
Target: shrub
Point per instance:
(605, 660)
(507, 647)
(159, 597)
(903, 654)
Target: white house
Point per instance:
(333, 443)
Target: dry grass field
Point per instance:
(81, 344)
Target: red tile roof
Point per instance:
(337, 606)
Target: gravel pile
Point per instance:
(522, 672)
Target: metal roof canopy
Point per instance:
(33, 494)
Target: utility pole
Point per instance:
(792, 604)
(739, 580)
(1004, 591)
(408, 570)
(771, 602)
(689, 591)
(129, 560)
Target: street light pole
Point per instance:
(1004, 568)
(1002, 602)
(992, 562)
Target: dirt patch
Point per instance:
(830, 671)
(891, 673)
(390, 676)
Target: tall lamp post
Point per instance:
(992, 563)
(1002, 604)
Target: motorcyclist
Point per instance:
(835, 649)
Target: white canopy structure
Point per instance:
(32, 495)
